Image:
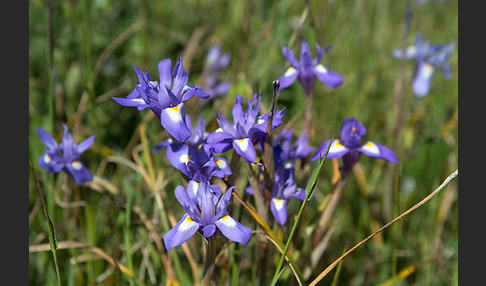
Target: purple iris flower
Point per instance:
(286, 154)
(215, 62)
(307, 69)
(284, 187)
(427, 60)
(349, 147)
(206, 212)
(195, 158)
(246, 130)
(65, 155)
(165, 98)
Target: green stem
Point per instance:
(210, 262)
(50, 225)
(287, 245)
(308, 115)
(309, 189)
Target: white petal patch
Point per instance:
(288, 165)
(371, 147)
(194, 187)
(243, 143)
(411, 50)
(278, 203)
(321, 69)
(76, 165)
(227, 221)
(336, 147)
(260, 121)
(47, 159)
(186, 224)
(290, 71)
(184, 158)
(427, 70)
(219, 130)
(175, 113)
(221, 164)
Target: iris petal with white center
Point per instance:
(336, 150)
(180, 233)
(279, 210)
(245, 149)
(288, 77)
(233, 230)
(173, 120)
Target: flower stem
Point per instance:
(308, 115)
(210, 262)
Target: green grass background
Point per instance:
(81, 53)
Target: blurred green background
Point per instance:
(81, 54)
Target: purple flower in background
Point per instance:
(214, 64)
(349, 147)
(206, 212)
(307, 69)
(165, 98)
(286, 154)
(427, 59)
(65, 155)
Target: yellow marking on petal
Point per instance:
(227, 220)
(338, 143)
(371, 147)
(353, 129)
(47, 159)
(221, 164)
(175, 108)
(76, 165)
(175, 113)
(186, 224)
(243, 143)
(184, 158)
(279, 203)
(290, 71)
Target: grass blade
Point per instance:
(426, 199)
(309, 190)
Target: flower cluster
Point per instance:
(65, 155)
(197, 154)
(427, 60)
(191, 153)
(206, 212)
